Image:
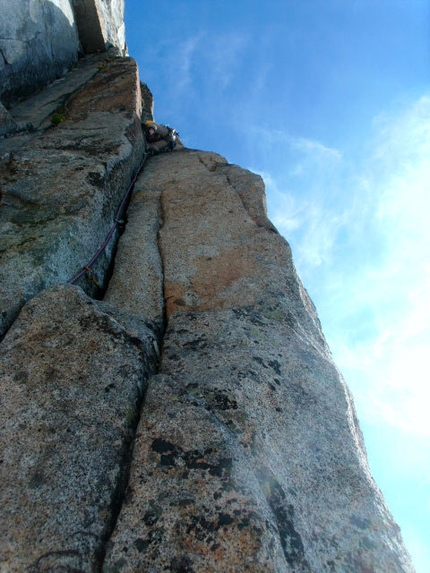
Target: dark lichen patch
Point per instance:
(224, 465)
(150, 518)
(96, 179)
(201, 527)
(162, 446)
(141, 545)
(225, 519)
(275, 364)
(205, 527)
(291, 540)
(181, 564)
(222, 401)
(206, 460)
(260, 361)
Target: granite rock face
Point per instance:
(193, 420)
(74, 380)
(100, 24)
(7, 124)
(39, 41)
(61, 184)
(140, 293)
(248, 455)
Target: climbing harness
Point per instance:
(118, 224)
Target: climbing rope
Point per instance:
(117, 221)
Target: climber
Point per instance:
(159, 137)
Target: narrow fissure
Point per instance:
(120, 494)
(126, 459)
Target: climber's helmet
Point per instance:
(150, 127)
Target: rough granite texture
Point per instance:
(139, 293)
(40, 41)
(7, 124)
(100, 24)
(193, 421)
(72, 381)
(248, 455)
(61, 184)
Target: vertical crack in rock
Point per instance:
(136, 285)
(247, 454)
(60, 196)
(72, 377)
(238, 448)
(72, 382)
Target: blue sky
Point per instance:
(329, 100)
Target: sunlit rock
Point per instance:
(193, 420)
(248, 455)
(72, 382)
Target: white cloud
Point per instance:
(361, 242)
(391, 367)
(307, 150)
(299, 196)
(287, 211)
(181, 60)
(222, 55)
(314, 148)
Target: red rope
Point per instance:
(112, 230)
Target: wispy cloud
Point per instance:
(312, 148)
(222, 56)
(207, 60)
(304, 198)
(361, 242)
(398, 289)
(182, 60)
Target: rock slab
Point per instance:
(61, 183)
(72, 381)
(248, 455)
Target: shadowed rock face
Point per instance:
(61, 184)
(100, 24)
(38, 43)
(193, 421)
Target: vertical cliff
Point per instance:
(168, 400)
(39, 41)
